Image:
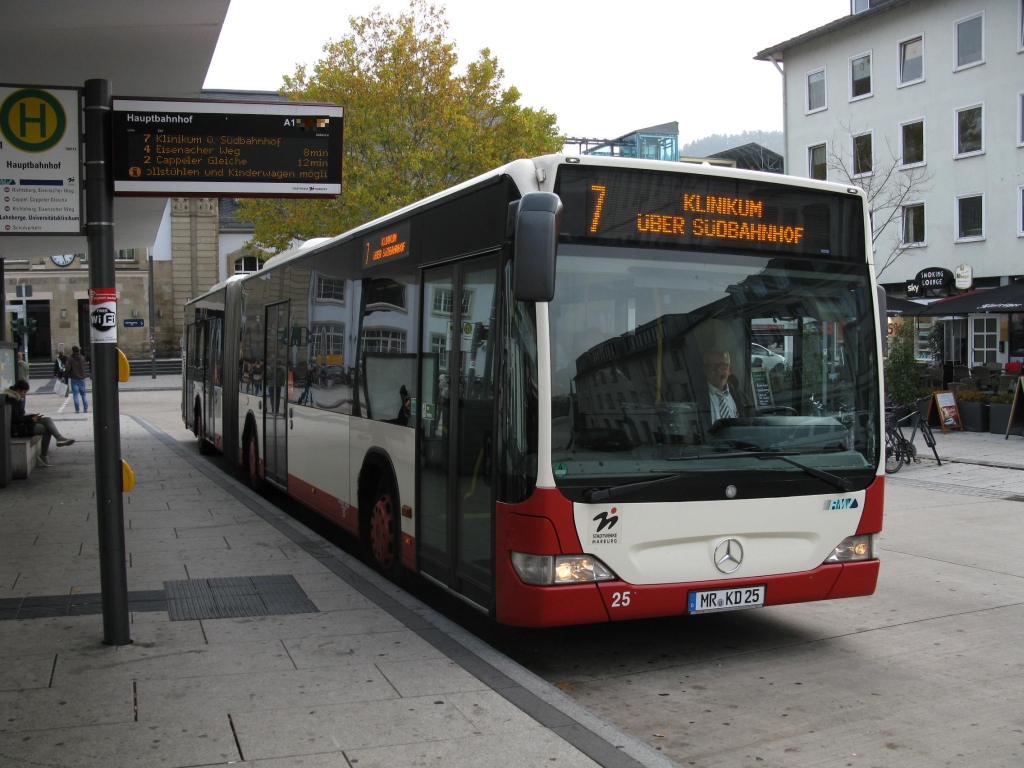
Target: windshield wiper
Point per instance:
(834, 480)
(592, 495)
(601, 494)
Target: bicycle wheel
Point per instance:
(893, 452)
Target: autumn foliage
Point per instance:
(414, 123)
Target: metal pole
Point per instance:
(103, 321)
(3, 302)
(152, 314)
(24, 326)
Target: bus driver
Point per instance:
(725, 402)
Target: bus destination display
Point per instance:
(699, 211)
(387, 245)
(219, 149)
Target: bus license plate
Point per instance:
(710, 600)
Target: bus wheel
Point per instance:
(205, 449)
(384, 530)
(252, 462)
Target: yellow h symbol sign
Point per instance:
(32, 120)
(24, 119)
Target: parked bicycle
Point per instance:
(898, 449)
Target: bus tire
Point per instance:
(385, 529)
(252, 460)
(205, 448)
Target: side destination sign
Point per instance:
(386, 245)
(226, 149)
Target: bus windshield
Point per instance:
(668, 361)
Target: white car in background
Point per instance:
(769, 360)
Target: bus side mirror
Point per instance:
(537, 224)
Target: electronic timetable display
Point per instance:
(708, 212)
(226, 149)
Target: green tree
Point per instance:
(413, 126)
(901, 372)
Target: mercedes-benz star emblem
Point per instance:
(728, 556)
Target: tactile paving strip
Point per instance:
(235, 597)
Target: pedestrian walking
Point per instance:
(27, 424)
(21, 368)
(76, 373)
(60, 367)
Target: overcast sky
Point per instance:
(604, 71)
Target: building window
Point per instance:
(862, 154)
(387, 341)
(246, 265)
(1020, 117)
(985, 341)
(817, 166)
(912, 143)
(913, 224)
(816, 97)
(130, 254)
(443, 301)
(330, 289)
(328, 344)
(969, 38)
(970, 217)
(860, 76)
(1020, 211)
(439, 347)
(1020, 26)
(911, 61)
(970, 128)
(383, 293)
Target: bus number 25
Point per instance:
(621, 599)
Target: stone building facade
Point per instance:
(207, 244)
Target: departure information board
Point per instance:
(226, 149)
(708, 212)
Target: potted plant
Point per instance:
(902, 375)
(973, 407)
(999, 414)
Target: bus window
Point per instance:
(389, 346)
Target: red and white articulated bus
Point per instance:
(514, 388)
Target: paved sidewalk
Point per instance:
(138, 382)
(255, 641)
(973, 464)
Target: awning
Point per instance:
(1004, 299)
(895, 307)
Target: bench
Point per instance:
(24, 455)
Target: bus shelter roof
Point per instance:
(1005, 299)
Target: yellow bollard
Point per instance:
(124, 370)
(127, 477)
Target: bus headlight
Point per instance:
(853, 549)
(545, 570)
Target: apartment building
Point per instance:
(921, 102)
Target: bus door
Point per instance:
(188, 393)
(213, 391)
(275, 395)
(457, 391)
